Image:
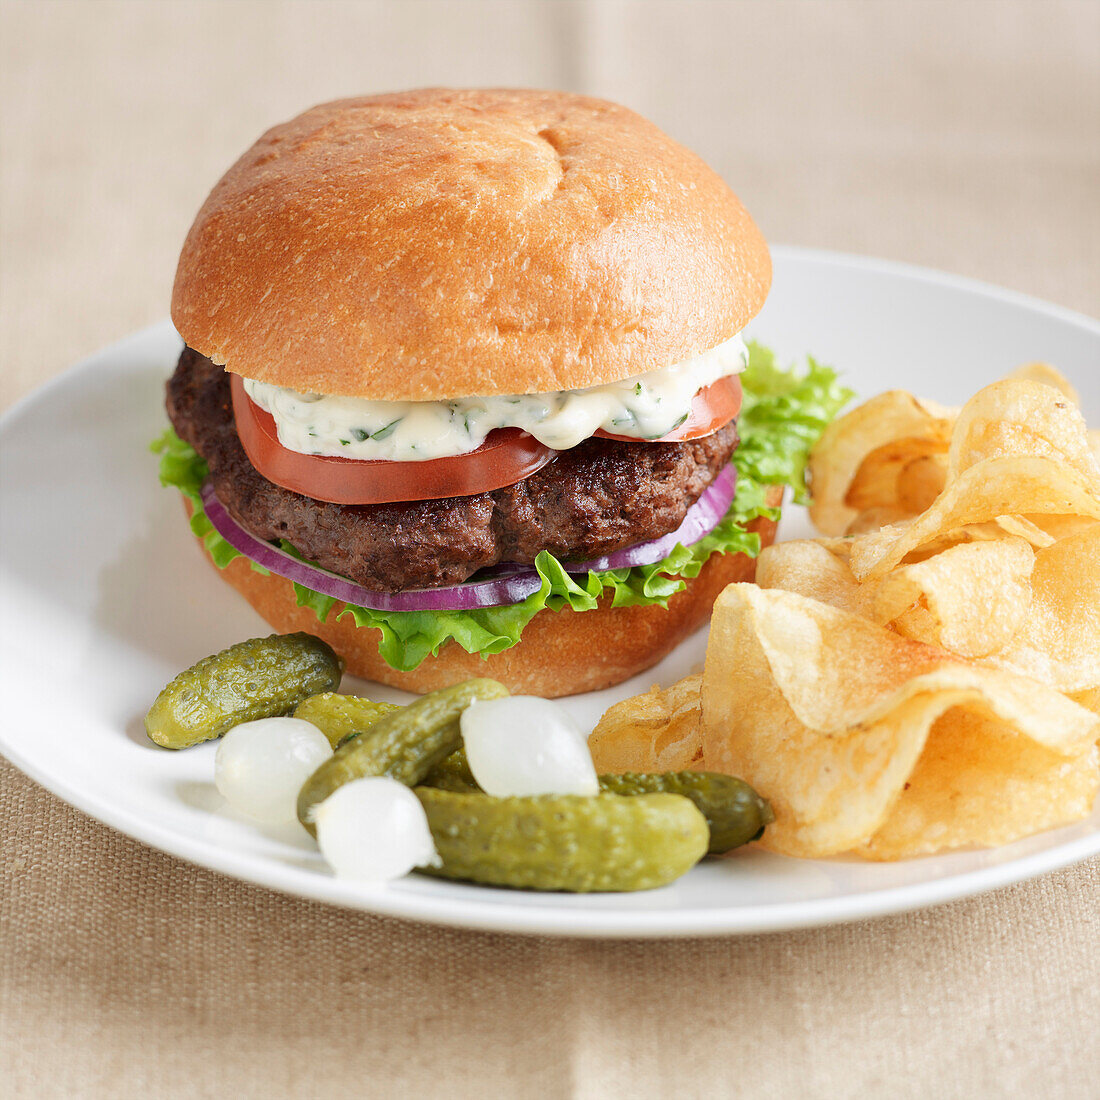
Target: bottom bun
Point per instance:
(560, 652)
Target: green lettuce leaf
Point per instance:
(783, 414)
(183, 468)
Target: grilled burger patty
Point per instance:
(596, 498)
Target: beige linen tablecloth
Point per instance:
(962, 135)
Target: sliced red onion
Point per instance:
(510, 586)
(702, 518)
(509, 582)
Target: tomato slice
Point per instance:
(508, 455)
(712, 407)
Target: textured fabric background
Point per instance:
(964, 135)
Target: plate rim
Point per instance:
(490, 915)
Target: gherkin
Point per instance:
(735, 813)
(576, 843)
(453, 773)
(404, 744)
(341, 717)
(259, 678)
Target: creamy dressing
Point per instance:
(644, 407)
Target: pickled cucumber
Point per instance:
(735, 813)
(403, 744)
(452, 774)
(341, 717)
(260, 678)
(578, 843)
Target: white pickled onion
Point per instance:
(374, 829)
(495, 587)
(522, 745)
(260, 766)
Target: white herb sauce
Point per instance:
(645, 407)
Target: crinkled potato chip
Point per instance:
(1054, 528)
(995, 529)
(1049, 376)
(817, 571)
(1005, 602)
(658, 731)
(1017, 525)
(1021, 418)
(1090, 699)
(829, 716)
(882, 516)
(971, 596)
(972, 599)
(892, 420)
(920, 482)
(874, 518)
(992, 488)
(1059, 638)
(1018, 448)
(978, 783)
(903, 474)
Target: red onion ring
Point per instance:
(507, 583)
(702, 518)
(512, 587)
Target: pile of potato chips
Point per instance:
(927, 676)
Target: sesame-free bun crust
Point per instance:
(439, 243)
(559, 653)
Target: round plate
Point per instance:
(104, 596)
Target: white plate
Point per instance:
(104, 597)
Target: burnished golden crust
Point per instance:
(438, 243)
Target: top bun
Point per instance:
(438, 244)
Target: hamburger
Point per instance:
(464, 389)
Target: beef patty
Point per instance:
(596, 498)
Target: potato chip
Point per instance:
(1018, 448)
(1089, 699)
(1000, 600)
(1054, 528)
(978, 783)
(920, 482)
(901, 474)
(873, 518)
(1049, 376)
(828, 716)
(817, 571)
(995, 529)
(972, 599)
(1020, 418)
(1018, 525)
(992, 488)
(897, 420)
(1059, 638)
(932, 680)
(658, 731)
